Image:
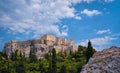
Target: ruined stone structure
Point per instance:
(52, 40)
(48, 40)
(41, 46)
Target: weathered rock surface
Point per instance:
(41, 46)
(106, 61)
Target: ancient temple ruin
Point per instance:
(41, 46)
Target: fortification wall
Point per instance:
(41, 46)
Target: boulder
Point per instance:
(106, 61)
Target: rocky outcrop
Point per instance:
(41, 46)
(106, 61)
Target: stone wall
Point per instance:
(60, 41)
(70, 42)
(48, 40)
(41, 46)
(60, 48)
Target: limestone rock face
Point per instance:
(106, 61)
(41, 46)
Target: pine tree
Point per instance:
(16, 55)
(5, 55)
(50, 62)
(20, 54)
(54, 61)
(63, 69)
(32, 55)
(71, 52)
(41, 68)
(13, 56)
(89, 51)
(20, 68)
(50, 65)
(0, 56)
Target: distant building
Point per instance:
(41, 46)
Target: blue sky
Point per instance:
(81, 20)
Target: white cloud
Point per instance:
(80, 1)
(5, 18)
(104, 31)
(78, 18)
(99, 43)
(102, 41)
(88, 1)
(64, 30)
(64, 26)
(116, 35)
(108, 1)
(30, 16)
(38, 16)
(64, 33)
(47, 29)
(90, 13)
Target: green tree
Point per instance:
(89, 51)
(54, 61)
(16, 55)
(20, 68)
(81, 51)
(70, 51)
(21, 64)
(5, 55)
(13, 56)
(63, 69)
(32, 55)
(20, 54)
(50, 64)
(41, 68)
(79, 67)
(0, 55)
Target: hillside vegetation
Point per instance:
(52, 63)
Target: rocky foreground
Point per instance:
(106, 61)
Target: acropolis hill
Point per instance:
(41, 46)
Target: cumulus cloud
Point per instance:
(116, 35)
(37, 16)
(108, 1)
(90, 12)
(5, 18)
(78, 17)
(65, 30)
(104, 31)
(99, 43)
(88, 1)
(102, 41)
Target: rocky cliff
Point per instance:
(41, 46)
(106, 61)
